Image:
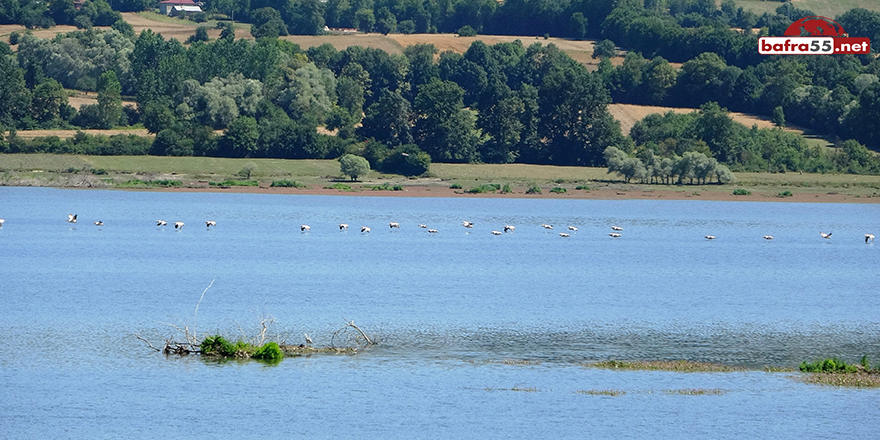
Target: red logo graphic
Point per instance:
(815, 26)
(814, 36)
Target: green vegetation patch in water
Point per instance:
(676, 366)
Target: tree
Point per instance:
(353, 166)
(778, 118)
(388, 119)
(48, 101)
(604, 49)
(578, 25)
(240, 139)
(109, 99)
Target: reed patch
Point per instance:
(679, 366)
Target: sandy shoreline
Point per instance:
(723, 193)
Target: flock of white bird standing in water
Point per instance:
(71, 218)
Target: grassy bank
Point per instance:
(579, 182)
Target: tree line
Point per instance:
(496, 104)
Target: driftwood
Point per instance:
(356, 338)
(341, 333)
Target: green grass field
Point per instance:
(195, 171)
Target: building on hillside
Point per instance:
(176, 7)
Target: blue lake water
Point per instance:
(447, 309)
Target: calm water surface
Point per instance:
(448, 309)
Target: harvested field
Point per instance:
(629, 114)
(171, 27)
(580, 51)
(81, 98)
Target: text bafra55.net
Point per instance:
(813, 45)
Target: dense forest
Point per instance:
(503, 103)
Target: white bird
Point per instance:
(710, 237)
(616, 228)
(467, 224)
(99, 223)
(308, 339)
(393, 225)
(305, 228)
(867, 236)
(423, 226)
(572, 228)
(614, 234)
(210, 223)
(343, 226)
(496, 232)
(768, 237)
(71, 218)
(432, 231)
(161, 223)
(824, 235)
(509, 228)
(365, 229)
(178, 225)
(545, 226)
(1, 222)
(563, 234)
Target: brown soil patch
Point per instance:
(179, 29)
(629, 114)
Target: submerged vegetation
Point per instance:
(680, 366)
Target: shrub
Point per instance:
(339, 186)
(288, 184)
(270, 351)
(785, 194)
(467, 31)
(558, 190)
(235, 183)
(217, 345)
(583, 187)
(455, 186)
(741, 192)
(506, 189)
(533, 189)
(832, 365)
(14, 37)
(484, 188)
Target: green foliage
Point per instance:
(287, 184)
(558, 190)
(217, 345)
(353, 166)
(135, 183)
(339, 186)
(455, 186)
(583, 187)
(270, 351)
(235, 183)
(506, 189)
(384, 187)
(741, 192)
(484, 188)
(784, 194)
(466, 31)
(831, 365)
(533, 189)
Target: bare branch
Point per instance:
(195, 335)
(148, 342)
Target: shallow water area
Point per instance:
(479, 335)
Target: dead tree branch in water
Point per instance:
(341, 332)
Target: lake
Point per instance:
(479, 336)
